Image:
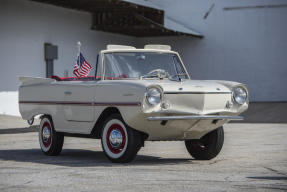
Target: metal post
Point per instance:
(49, 67)
(51, 53)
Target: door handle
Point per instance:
(68, 92)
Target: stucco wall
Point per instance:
(247, 45)
(24, 28)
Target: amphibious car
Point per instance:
(136, 95)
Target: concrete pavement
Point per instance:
(254, 158)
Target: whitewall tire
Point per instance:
(51, 142)
(119, 142)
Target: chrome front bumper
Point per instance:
(165, 118)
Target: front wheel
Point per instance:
(119, 142)
(208, 146)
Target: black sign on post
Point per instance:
(51, 53)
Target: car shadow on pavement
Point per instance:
(82, 158)
(269, 177)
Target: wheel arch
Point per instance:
(96, 131)
(41, 116)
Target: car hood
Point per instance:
(183, 97)
(189, 86)
(179, 86)
(194, 96)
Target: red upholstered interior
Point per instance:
(88, 78)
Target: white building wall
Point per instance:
(24, 28)
(245, 45)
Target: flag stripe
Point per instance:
(81, 68)
(84, 68)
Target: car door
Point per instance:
(79, 101)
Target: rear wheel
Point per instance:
(51, 142)
(119, 142)
(206, 147)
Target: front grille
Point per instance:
(203, 103)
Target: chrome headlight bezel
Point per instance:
(239, 95)
(153, 96)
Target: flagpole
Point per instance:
(79, 51)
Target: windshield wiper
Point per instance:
(180, 74)
(172, 77)
(149, 76)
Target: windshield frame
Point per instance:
(138, 50)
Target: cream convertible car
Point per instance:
(136, 95)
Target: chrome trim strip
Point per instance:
(165, 118)
(81, 103)
(194, 92)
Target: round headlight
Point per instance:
(239, 95)
(153, 96)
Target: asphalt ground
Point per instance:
(253, 158)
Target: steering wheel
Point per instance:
(161, 73)
(156, 70)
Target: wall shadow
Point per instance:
(265, 112)
(33, 128)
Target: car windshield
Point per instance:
(121, 65)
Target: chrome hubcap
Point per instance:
(116, 138)
(46, 134)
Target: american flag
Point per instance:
(81, 68)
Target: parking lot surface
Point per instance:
(253, 158)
